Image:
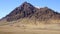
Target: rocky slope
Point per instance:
(26, 10)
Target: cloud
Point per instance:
(37, 6)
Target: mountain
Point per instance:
(20, 12)
(26, 10)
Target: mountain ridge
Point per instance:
(26, 10)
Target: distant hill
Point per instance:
(28, 11)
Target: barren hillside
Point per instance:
(27, 19)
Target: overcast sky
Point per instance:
(6, 6)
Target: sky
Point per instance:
(6, 6)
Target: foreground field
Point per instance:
(30, 29)
(33, 32)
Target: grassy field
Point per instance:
(27, 26)
(32, 32)
(30, 29)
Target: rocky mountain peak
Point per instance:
(26, 10)
(26, 4)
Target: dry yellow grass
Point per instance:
(30, 29)
(26, 26)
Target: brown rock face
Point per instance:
(26, 10)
